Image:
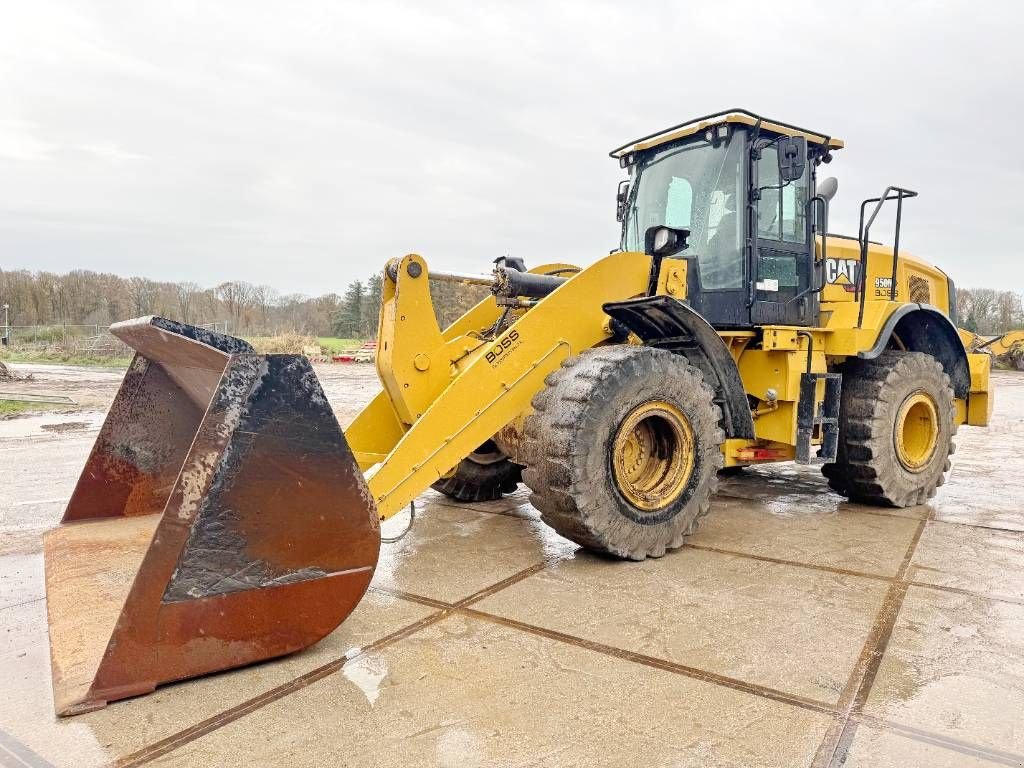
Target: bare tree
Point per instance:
(264, 298)
(142, 294)
(187, 295)
(1008, 311)
(237, 297)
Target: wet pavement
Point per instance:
(796, 629)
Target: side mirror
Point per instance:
(792, 157)
(621, 196)
(665, 241)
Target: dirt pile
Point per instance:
(286, 343)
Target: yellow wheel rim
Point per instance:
(917, 431)
(653, 455)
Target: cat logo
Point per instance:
(842, 272)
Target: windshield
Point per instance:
(698, 187)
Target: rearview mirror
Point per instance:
(621, 196)
(792, 157)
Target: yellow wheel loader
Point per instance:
(1007, 348)
(223, 516)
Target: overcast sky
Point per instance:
(303, 144)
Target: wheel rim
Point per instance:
(916, 431)
(653, 455)
(488, 453)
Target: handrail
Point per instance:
(863, 233)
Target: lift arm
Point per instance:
(496, 381)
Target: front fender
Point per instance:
(661, 321)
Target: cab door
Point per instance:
(783, 267)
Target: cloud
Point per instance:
(303, 145)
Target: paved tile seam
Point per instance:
(464, 507)
(859, 574)
(620, 653)
(845, 720)
(24, 602)
(183, 737)
(430, 602)
(14, 754)
(967, 592)
(957, 523)
(864, 672)
(998, 756)
(657, 663)
(845, 716)
(170, 743)
(795, 563)
(515, 578)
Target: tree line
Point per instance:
(82, 297)
(93, 298)
(988, 311)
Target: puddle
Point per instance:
(367, 674)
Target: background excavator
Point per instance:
(224, 517)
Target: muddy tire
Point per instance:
(484, 475)
(896, 427)
(623, 449)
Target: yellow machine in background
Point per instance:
(1007, 348)
(727, 330)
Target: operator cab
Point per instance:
(740, 186)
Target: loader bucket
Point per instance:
(220, 520)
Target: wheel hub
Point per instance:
(916, 432)
(653, 455)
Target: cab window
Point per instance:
(781, 212)
(678, 203)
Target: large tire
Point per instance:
(600, 457)
(896, 427)
(484, 475)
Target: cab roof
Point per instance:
(741, 116)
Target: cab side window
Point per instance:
(781, 213)
(768, 208)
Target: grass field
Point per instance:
(333, 345)
(16, 408)
(65, 359)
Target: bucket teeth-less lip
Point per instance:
(220, 520)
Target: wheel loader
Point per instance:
(223, 517)
(1006, 348)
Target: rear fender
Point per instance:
(924, 328)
